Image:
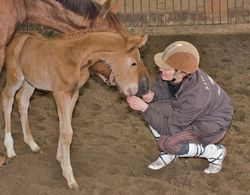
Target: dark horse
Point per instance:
(65, 16)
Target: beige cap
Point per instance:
(180, 55)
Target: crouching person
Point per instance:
(187, 112)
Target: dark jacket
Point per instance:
(199, 104)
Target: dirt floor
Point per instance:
(112, 145)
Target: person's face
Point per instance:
(167, 75)
(172, 75)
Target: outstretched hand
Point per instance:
(148, 97)
(137, 103)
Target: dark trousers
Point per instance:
(176, 144)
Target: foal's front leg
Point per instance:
(65, 104)
(59, 154)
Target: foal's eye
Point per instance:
(134, 64)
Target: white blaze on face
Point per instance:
(131, 87)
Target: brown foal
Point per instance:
(61, 65)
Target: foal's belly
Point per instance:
(39, 84)
(38, 78)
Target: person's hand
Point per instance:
(137, 103)
(148, 97)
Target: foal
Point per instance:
(61, 65)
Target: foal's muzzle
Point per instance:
(143, 87)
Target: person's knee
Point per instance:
(166, 145)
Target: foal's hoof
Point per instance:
(3, 159)
(11, 153)
(74, 187)
(35, 148)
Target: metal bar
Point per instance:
(189, 11)
(227, 12)
(235, 11)
(173, 9)
(157, 12)
(220, 11)
(165, 11)
(205, 12)
(133, 13)
(196, 12)
(212, 8)
(149, 12)
(141, 13)
(181, 11)
(243, 10)
(125, 12)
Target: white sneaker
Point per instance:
(215, 163)
(162, 161)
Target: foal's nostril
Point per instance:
(143, 87)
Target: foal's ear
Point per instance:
(105, 8)
(101, 2)
(116, 7)
(137, 41)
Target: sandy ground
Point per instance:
(112, 145)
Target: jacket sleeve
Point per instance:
(160, 89)
(167, 119)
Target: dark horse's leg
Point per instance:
(2, 56)
(12, 13)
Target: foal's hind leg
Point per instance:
(23, 97)
(12, 85)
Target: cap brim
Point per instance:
(160, 63)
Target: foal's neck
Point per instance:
(96, 46)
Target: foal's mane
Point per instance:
(80, 34)
(90, 9)
(76, 34)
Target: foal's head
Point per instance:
(127, 67)
(103, 16)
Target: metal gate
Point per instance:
(160, 13)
